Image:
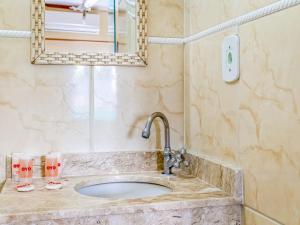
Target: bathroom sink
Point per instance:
(123, 189)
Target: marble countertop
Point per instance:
(42, 204)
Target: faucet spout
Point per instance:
(167, 148)
(146, 131)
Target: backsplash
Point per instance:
(99, 163)
(222, 175)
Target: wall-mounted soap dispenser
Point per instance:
(231, 58)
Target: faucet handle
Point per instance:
(178, 157)
(186, 163)
(182, 151)
(177, 164)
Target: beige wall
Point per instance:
(254, 122)
(46, 108)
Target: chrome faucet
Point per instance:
(171, 159)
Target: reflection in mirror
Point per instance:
(90, 26)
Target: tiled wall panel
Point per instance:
(255, 122)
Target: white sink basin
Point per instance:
(123, 190)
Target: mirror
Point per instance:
(104, 25)
(89, 32)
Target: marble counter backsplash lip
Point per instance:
(227, 177)
(99, 163)
(67, 203)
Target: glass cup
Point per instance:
(52, 171)
(59, 162)
(15, 166)
(25, 173)
(51, 168)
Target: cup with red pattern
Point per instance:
(25, 173)
(15, 166)
(58, 157)
(52, 171)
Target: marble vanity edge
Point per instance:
(98, 163)
(215, 215)
(210, 202)
(223, 175)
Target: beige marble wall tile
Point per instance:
(15, 14)
(211, 105)
(201, 14)
(125, 97)
(253, 218)
(165, 18)
(42, 108)
(269, 115)
(255, 121)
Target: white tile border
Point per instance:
(15, 34)
(27, 34)
(162, 40)
(246, 18)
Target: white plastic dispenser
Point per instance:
(231, 58)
